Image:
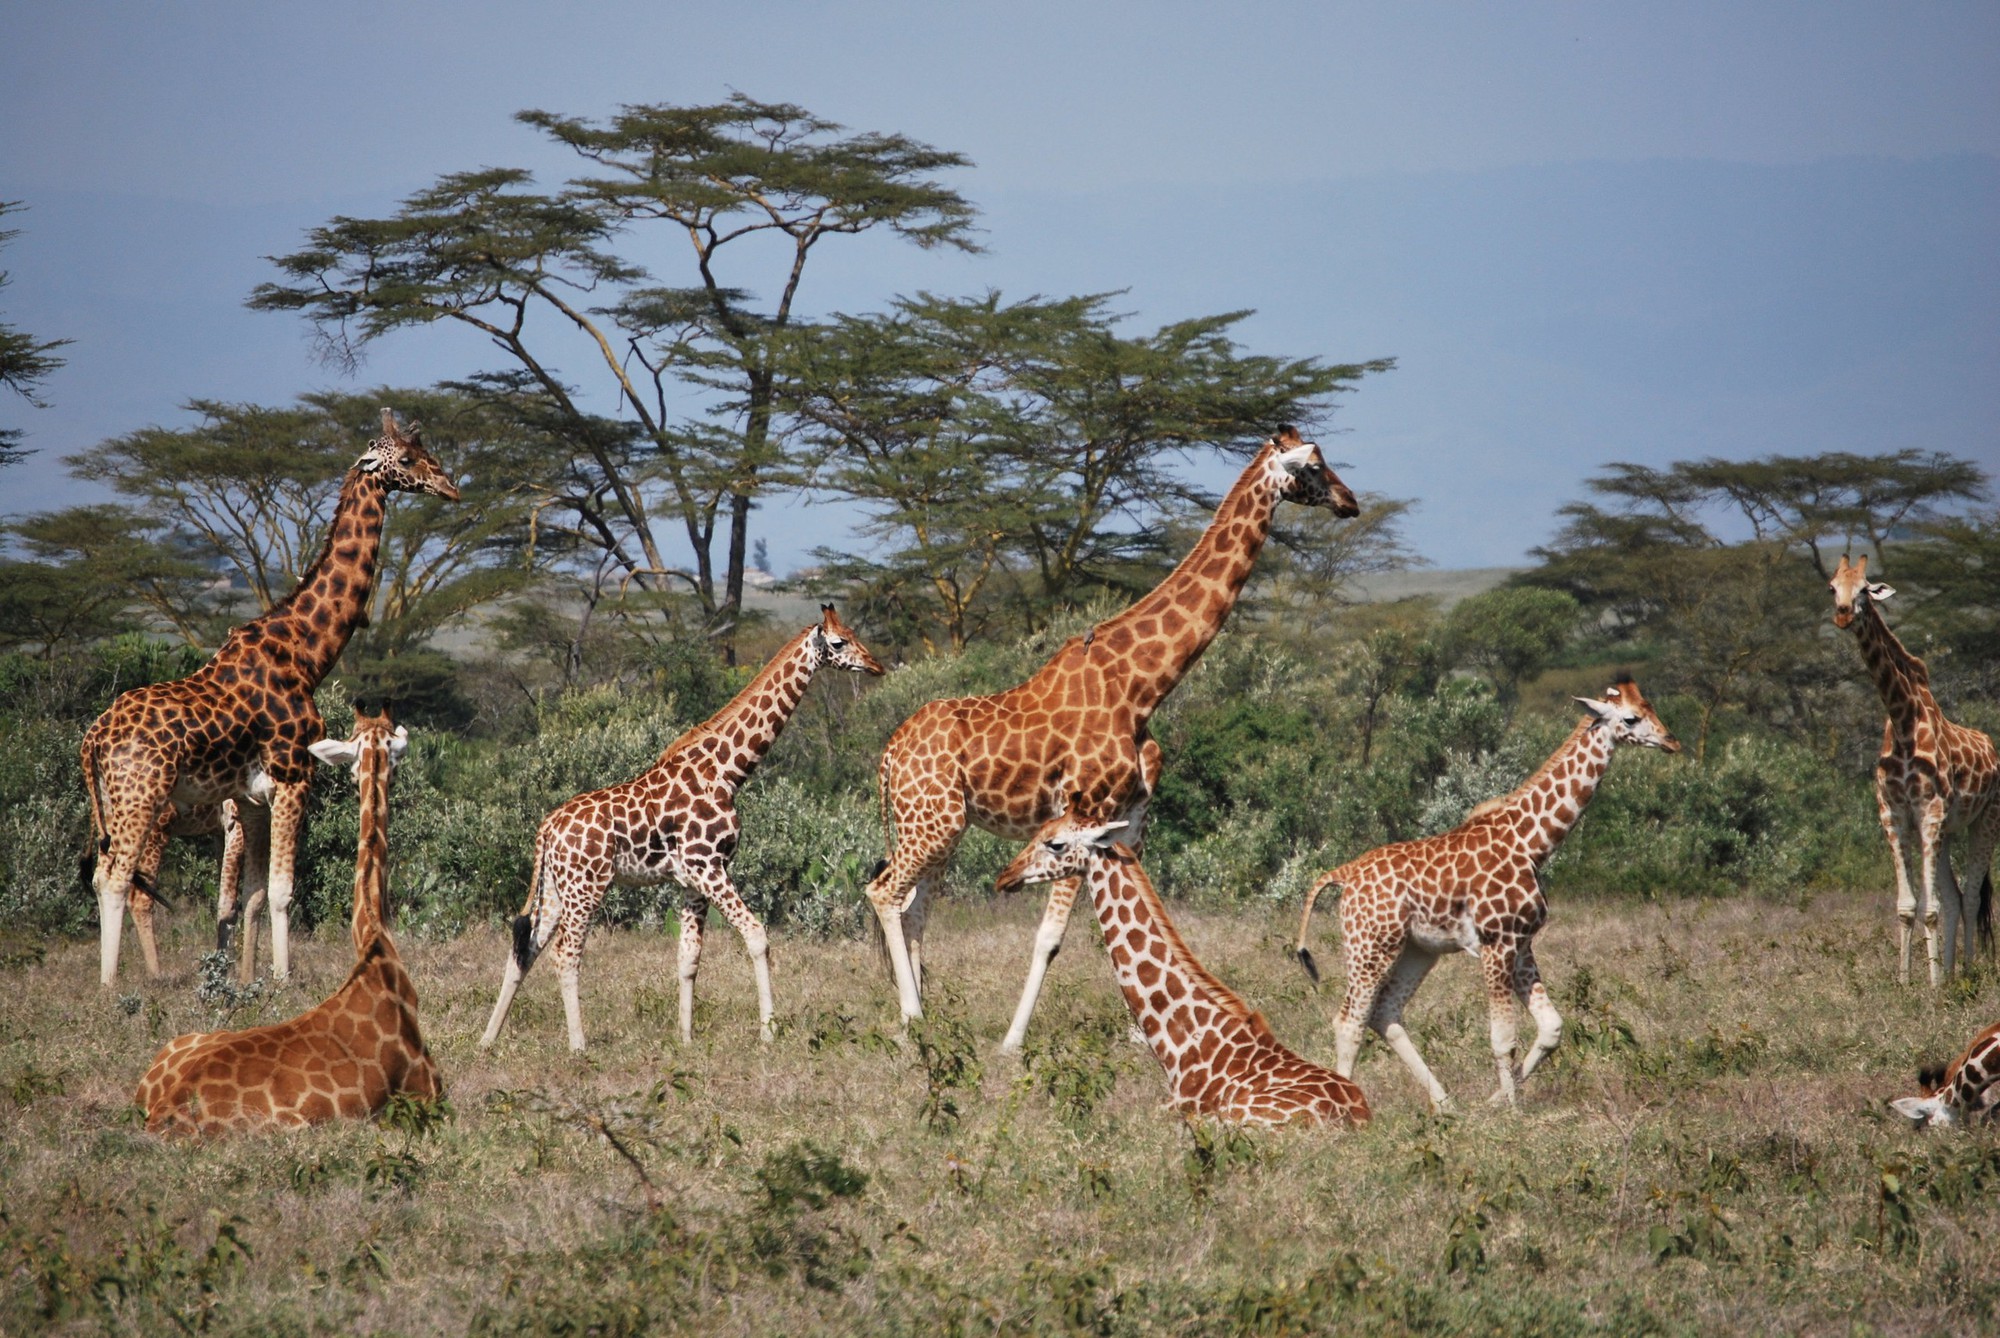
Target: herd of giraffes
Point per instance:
(1063, 761)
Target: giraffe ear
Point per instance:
(1601, 710)
(1878, 591)
(399, 743)
(335, 752)
(1920, 1111)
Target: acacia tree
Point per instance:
(693, 366)
(1022, 454)
(24, 360)
(223, 517)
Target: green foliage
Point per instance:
(24, 360)
(1510, 633)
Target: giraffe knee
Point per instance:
(757, 941)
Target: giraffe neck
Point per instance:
(1900, 677)
(1172, 996)
(315, 621)
(371, 855)
(744, 730)
(1183, 613)
(1544, 807)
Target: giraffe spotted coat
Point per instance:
(241, 725)
(1477, 889)
(1220, 1057)
(1967, 1087)
(1011, 761)
(342, 1059)
(1933, 780)
(675, 822)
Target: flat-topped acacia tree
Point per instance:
(537, 272)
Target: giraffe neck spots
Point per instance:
(309, 628)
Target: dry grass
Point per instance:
(1709, 1152)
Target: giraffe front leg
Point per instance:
(1931, 894)
(256, 824)
(288, 803)
(113, 879)
(694, 914)
(1902, 848)
(710, 880)
(1496, 961)
(1534, 996)
(1048, 942)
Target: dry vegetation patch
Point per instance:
(1708, 1151)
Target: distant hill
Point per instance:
(1448, 584)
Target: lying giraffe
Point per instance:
(1933, 781)
(1476, 888)
(342, 1059)
(1011, 761)
(1220, 1057)
(677, 821)
(239, 727)
(1968, 1086)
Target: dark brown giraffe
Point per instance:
(1220, 1057)
(240, 726)
(1967, 1087)
(1933, 780)
(677, 821)
(1476, 888)
(1011, 761)
(343, 1059)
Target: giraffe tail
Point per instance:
(875, 934)
(525, 948)
(1328, 880)
(1983, 918)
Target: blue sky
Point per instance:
(1587, 232)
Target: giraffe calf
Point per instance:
(1967, 1088)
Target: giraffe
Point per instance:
(1965, 1088)
(676, 821)
(1933, 780)
(343, 1058)
(1011, 761)
(1220, 1057)
(198, 820)
(1476, 888)
(238, 727)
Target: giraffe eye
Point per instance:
(1631, 719)
(1056, 847)
(835, 642)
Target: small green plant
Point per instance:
(215, 986)
(788, 1228)
(1213, 1150)
(948, 1054)
(31, 1081)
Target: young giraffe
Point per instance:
(1476, 888)
(1220, 1057)
(239, 727)
(1009, 762)
(677, 821)
(1933, 780)
(344, 1058)
(1967, 1087)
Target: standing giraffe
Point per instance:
(1476, 888)
(1220, 1057)
(677, 821)
(347, 1056)
(239, 727)
(1960, 1090)
(1933, 780)
(1011, 761)
(198, 820)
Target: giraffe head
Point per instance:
(834, 643)
(1303, 477)
(399, 459)
(1852, 590)
(1630, 717)
(370, 731)
(1063, 847)
(1930, 1108)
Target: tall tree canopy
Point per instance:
(1019, 455)
(692, 366)
(24, 360)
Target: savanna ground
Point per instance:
(1708, 1152)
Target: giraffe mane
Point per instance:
(1216, 992)
(1500, 801)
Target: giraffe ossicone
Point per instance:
(1933, 780)
(1220, 1057)
(1476, 888)
(239, 727)
(342, 1059)
(676, 822)
(1009, 762)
